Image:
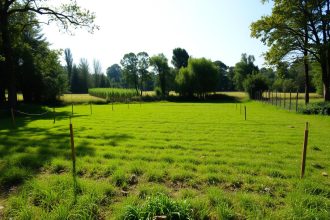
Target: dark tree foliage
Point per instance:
(255, 84)
(66, 15)
(243, 69)
(130, 71)
(199, 77)
(115, 76)
(224, 83)
(180, 58)
(69, 63)
(160, 64)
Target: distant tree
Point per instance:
(230, 75)
(143, 63)
(243, 69)
(254, 84)
(114, 74)
(97, 73)
(69, 63)
(130, 71)
(200, 76)
(84, 75)
(223, 82)
(160, 65)
(269, 73)
(180, 58)
(75, 80)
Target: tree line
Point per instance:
(297, 33)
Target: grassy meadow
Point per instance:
(202, 157)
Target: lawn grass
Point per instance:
(202, 155)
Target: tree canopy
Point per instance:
(21, 14)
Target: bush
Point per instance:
(320, 108)
(255, 84)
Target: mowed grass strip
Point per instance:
(202, 154)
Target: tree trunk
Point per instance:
(325, 79)
(306, 67)
(9, 71)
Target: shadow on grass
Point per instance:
(24, 150)
(214, 98)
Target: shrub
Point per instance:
(320, 108)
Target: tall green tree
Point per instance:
(180, 58)
(84, 75)
(69, 63)
(130, 71)
(200, 76)
(224, 83)
(97, 75)
(299, 28)
(68, 14)
(143, 64)
(115, 76)
(160, 65)
(243, 69)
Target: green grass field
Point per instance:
(203, 156)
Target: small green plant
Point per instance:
(159, 205)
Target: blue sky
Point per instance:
(215, 29)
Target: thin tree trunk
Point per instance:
(325, 80)
(306, 67)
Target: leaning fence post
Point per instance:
(303, 159)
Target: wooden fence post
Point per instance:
(73, 157)
(303, 159)
(297, 101)
(245, 112)
(272, 98)
(284, 100)
(276, 98)
(71, 108)
(290, 102)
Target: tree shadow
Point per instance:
(115, 138)
(25, 150)
(214, 98)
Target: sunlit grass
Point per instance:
(202, 154)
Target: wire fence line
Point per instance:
(288, 101)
